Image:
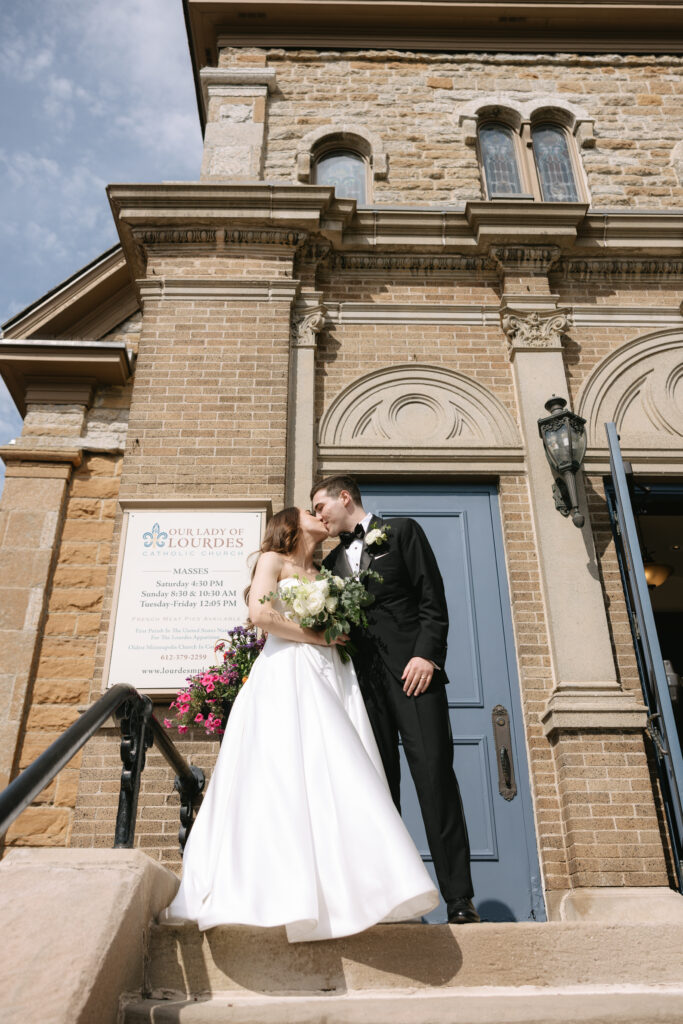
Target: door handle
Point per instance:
(507, 786)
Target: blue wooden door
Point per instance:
(463, 526)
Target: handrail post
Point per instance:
(136, 738)
(190, 798)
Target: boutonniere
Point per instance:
(377, 535)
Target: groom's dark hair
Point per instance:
(334, 485)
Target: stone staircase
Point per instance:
(564, 972)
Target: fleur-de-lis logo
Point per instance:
(154, 538)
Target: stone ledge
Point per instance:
(34, 451)
(391, 957)
(75, 920)
(640, 1005)
(630, 905)
(63, 366)
(606, 708)
(245, 77)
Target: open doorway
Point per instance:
(658, 509)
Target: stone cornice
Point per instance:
(246, 78)
(417, 264)
(219, 289)
(483, 238)
(525, 259)
(24, 363)
(195, 210)
(520, 223)
(587, 269)
(459, 25)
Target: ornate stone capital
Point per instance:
(307, 327)
(534, 328)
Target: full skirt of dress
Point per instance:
(298, 827)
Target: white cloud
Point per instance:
(94, 91)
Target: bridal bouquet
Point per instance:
(328, 603)
(208, 698)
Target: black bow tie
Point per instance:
(347, 537)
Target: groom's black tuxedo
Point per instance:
(409, 618)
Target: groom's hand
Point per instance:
(417, 676)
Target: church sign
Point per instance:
(180, 583)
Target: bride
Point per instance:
(298, 827)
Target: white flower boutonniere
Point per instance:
(375, 535)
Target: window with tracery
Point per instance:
(499, 160)
(553, 164)
(529, 161)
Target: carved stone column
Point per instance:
(308, 321)
(586, 692)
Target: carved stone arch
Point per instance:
(349, 134)
(572, 117)
(639, 387)
(422, 413)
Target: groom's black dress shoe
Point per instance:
(461, 911)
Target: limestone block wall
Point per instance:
(66, 659)
(413, 102)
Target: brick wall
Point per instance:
(208, 417)
(413, 100)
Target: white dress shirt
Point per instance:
(355, 548)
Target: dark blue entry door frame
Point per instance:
(462, 523)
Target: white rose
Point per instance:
(331, 604)
(372, 536)
(300, 605)
(338, 582)
(315, 601)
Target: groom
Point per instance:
(400, 666)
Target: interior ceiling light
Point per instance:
(656, 573)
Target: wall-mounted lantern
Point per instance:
(564, 439)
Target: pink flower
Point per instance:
(182, 728)
(209, 687)
(199, 717)
(167, 723)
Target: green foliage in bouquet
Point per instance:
(331, 604)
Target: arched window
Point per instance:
(530, 157)
(553, 164)
(499, 159)
(346, 171)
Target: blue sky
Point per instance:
(91, 92)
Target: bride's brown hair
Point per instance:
(282, 535)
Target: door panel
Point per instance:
(462, 525)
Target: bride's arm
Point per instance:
(264, 615)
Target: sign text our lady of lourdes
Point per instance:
(182, 575)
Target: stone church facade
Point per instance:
(397, 250)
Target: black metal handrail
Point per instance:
(139, 731)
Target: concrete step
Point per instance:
(609, 1005)
(185, 963)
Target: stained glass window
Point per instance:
(554, 165)
(346, 171)
(500, 162)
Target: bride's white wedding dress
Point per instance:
(298, 827)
